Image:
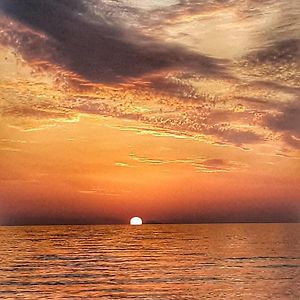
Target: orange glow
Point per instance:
(189, 133)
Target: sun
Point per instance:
(136, 221)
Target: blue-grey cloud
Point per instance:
(97, 50)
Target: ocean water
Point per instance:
(222, 261)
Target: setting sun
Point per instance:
(136, 221)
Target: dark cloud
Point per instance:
(234, 136)
(276, 66)
(252, 100)
(174, 87)
(215, 162)
(279, 51)
(287, 122)
(93, 48)
(292, 141)
(275, 86)
(37, 113)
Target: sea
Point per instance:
(207, 261)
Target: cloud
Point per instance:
(182, 12)
(287, 122)
(218, 165)
(279, 51)
(176, 91)
(70, 36)
(121, 164)
(275, 86)
(276, 66)
(292, 141)
(288, 119)
(234, 136)
(200, 164)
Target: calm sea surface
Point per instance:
(232, 261)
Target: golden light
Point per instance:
(136, 221)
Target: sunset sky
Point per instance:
(173, 110)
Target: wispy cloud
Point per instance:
(200, 164)
(121, 59)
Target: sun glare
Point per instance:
(136, 221)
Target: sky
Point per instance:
(177, 111)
